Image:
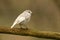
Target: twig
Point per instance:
(30, 32)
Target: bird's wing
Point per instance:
(21, 19)
(17, 21)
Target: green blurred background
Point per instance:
(45, 16)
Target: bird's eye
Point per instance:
(29, 12)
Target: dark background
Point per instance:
(45, 16)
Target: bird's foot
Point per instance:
(24, 28)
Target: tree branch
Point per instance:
(30, 32)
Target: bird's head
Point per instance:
(29, 11)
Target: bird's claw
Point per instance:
(24, 28)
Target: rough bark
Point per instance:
(30, 32)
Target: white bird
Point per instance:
(23, 18)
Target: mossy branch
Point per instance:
(30, 32)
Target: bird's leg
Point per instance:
(23, 26)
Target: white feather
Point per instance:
(22, 18)
(18, 21)
(13, 24)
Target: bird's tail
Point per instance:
(13, 24)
